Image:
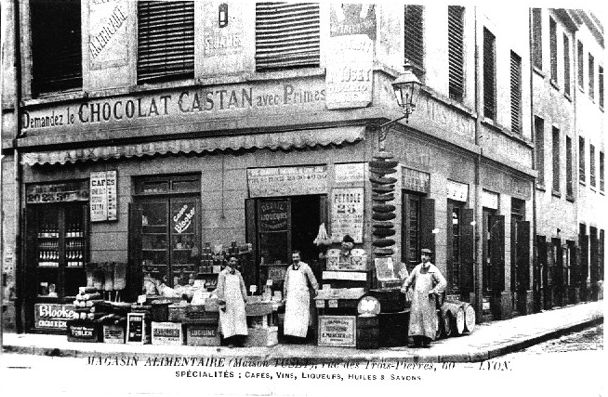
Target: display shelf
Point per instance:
(155, 249)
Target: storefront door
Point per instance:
(460, 246)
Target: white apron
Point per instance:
(423, 317)
(297, 305)
(233, 321)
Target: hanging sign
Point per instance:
(416, 181)
(347, 213)
(103, 199)
(57, 192)
(287, 181)
(457, 191)
(349, 173)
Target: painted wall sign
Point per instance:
(347, 213)
(222, 41)
(287, 181)
(430, 110)
(57, 192)
(273, 215)
(349, 19)
(416, 181)
(337, 331)
(506, 183)
(349, 173)
(489, 199)
(457, 191)
(103, 200)
(108, 21)
(219, 101)
(52, 316)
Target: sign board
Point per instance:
(347, 213)
(416, 181)
(457, 191)
(136, 329)
(52, 316)
(287, 181)
(349, 173)
(489, 199)
(223, 41)
(273, 215)
(182, 217)
(337, 331)
(344, 275)
(107, 39)
(103, 196)
(57, 192)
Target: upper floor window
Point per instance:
(413, 26)
(539, 129)
(456, 52)
(581, 159)
(600, 86)
(537, 38)
(489, 74)
(165, 40)
(56, 45)
(592, 165)
(515, 93)
(566, 65)
(569, 184)
(553, 48)
(602, 171)
(287, 35)
(580, 60)
(556, 159)
(591, 76)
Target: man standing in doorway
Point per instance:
(427, 283)
(297, 287)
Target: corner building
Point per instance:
(145, 132)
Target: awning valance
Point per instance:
(277, 140)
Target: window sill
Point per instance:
(541, 187)
(581, 89)
(602, 193)
(538, 71)
(582, 183)
(593, 189)
(516, 136)
(570, 198)
(568, 97)
(554, 84)
(556, 193)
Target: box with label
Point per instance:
(138, 328)
(338, 331)
(113, 333)
(167, 333)
(202, 335)
(83, 331)
(262, 337)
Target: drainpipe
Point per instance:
(478, 257)
(535, 263)
(18, 255)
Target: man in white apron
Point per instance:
(299, 281)
(427, 283)
(232, 294)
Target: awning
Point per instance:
(278, 140)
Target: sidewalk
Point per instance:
(487, 341)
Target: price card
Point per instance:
(333, 303)
(253, 288)
(141, 299)
(269, 282)
(320, 303)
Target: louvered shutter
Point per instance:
(489, 75)
(515, 93)
(287, 35)
(467, 268)
(165, 40)
(497, 252)
(455, 52)
(413, 39)
(523, 255)
(56, 45)
(427, 224)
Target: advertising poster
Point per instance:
(347, 213)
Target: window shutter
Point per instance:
(453, 284)
(584, 263)
(427, 216)
(467, 251)
(287, 35)
(56, 45)
(134, 269)
(413, 39)
(489, 75)
(537, 32)
(566, 65)
(601, 255)
(591, 76)
(250, 273)
(594, 255)
(574, 260)
(165, 40)
(515, 93)
(580, 63)
(497, 252)
(456, 52)
(553, 48)
(600, 86)
(523, 255)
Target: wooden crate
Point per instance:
(167, 333)
(83, 331)
(114, 334)
(202, 335)
(262, 337)
(337, 331)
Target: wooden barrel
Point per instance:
(393, 328)
(446, 322)
(456, 311)
(368, 332)
(469, 318)
(439, 329)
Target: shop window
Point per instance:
(456, 52)
(287, 35)
(489, 74)
(537, 38)
(566, 65)
(515, 93)
(581, 159)
(591, 76)
(580, 61)
(553, 48)
(413, 23)
(569, 183)
(169, 228)
(165, 40)
(56, 45)
(539, 127)
(592, 165)
(556, 160)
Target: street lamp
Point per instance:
(406, 88)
